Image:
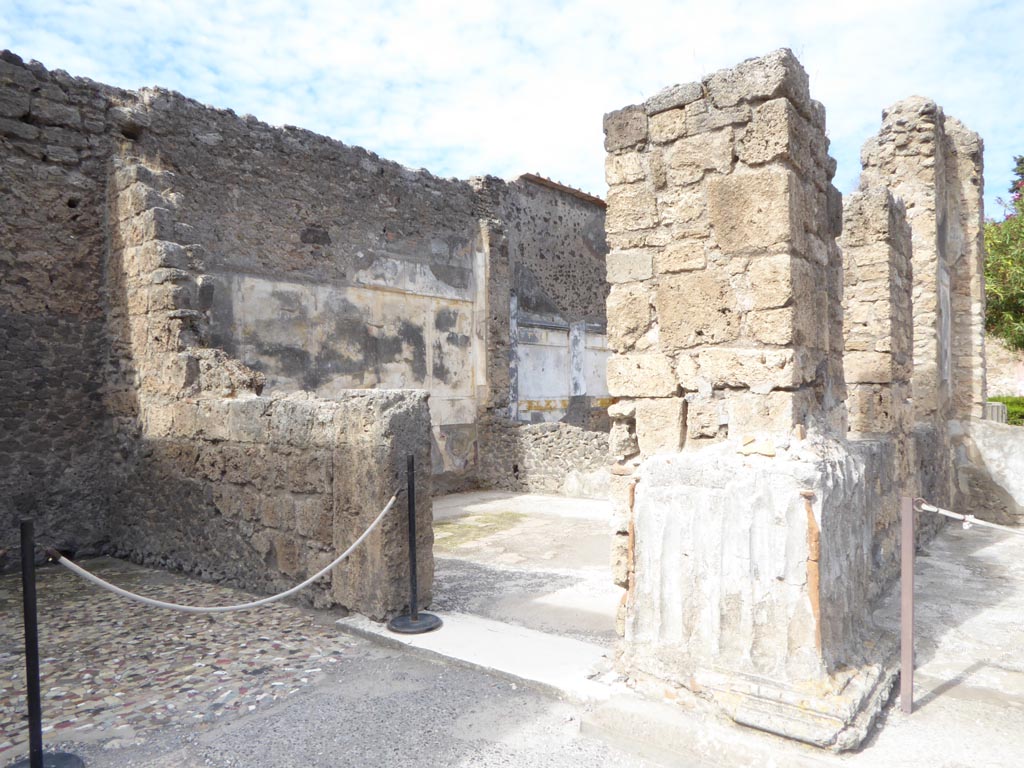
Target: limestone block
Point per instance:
(629, 315)
(625, 128)
(291, 420)
(622, 441)
(248, 420)
(666, 127)
(771, 326)
(774, 412)
(152, 224)
(695, 308)
(136, 199)
(622, 409)
(685, 208)
(673, 97)
(778, 74)
(770, 281)
(641, 375)
(660, 424)
(777, 132)
(688, 372)
(623, 169)
(16, 129)
(701, 117)
(14, 104)
(314, 518)
(625, 266)
(762, 370)
(754, 211)
(631, 207)
(690, 157)
(870, 408)
(873, 367)
(680, 256)
(704, 417)
(46, 112)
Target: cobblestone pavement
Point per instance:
(114, 671)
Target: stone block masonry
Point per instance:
(744, 535)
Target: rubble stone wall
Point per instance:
(260, 491)
(161, 252)
(56, 441)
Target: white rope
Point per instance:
(967, 520)
(223, 608)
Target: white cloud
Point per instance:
(473, 87)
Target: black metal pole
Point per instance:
(410, 474)
(28, 587)
(413, 623)
(36, 758)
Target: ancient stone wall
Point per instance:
(745, 536)
(878, 362)
(56, 446)
(546, 339)
(168, 261)
(261, 491)
(934, 164)
(126, 431)
(549, 457)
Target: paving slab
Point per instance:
(576, 670)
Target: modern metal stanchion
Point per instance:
(36, 757)
(413, 623)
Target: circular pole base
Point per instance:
(53, 760)
(405, 625)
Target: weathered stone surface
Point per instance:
(690, 157)
(778, 74)
(673, 97)
(625, 128)
(694, 309)
(626, 266)
(629, 313)
(630, 207)
(660, 425)
(666, 127)
(680, 256)
(752, 211)
(641, 375)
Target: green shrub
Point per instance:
(1004, 267)
(1014, 409)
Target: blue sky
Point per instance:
(474, 87)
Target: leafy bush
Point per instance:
(1004, 267)
(1014, 409)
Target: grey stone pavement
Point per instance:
(126, 685)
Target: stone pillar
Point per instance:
(934, 164)
(877, 309)
(747, 563)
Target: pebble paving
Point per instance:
(114, 671)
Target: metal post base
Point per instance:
(53, 760)
(407, 625)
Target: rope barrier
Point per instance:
(78, 570)
(968, 520)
